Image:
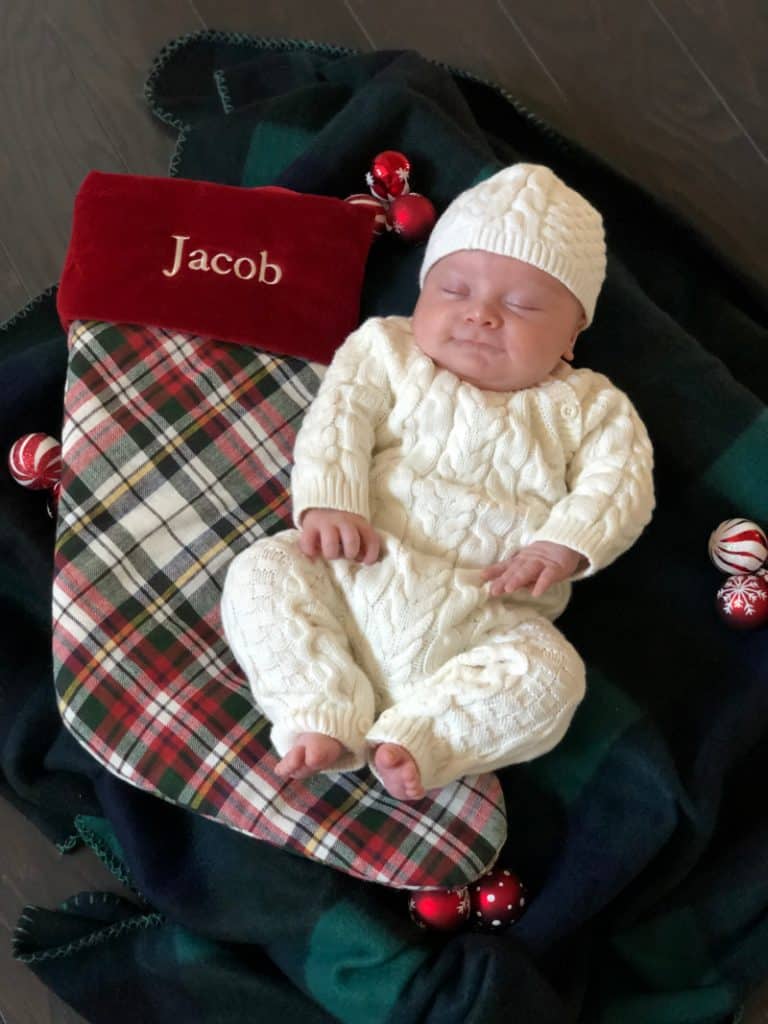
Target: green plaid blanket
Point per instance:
(643, 838)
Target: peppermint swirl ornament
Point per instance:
(738, 546)
(378, 209)
(34, 461)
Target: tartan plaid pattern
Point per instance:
(176, 454)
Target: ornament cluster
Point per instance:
(34, 461)
(739, 548)
(396, 208)
(491, 904)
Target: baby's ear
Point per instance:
(581, 324)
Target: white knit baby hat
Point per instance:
(526, 211)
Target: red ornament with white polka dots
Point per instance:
(497, 900)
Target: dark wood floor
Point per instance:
(674, 93)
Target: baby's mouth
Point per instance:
(471, 342)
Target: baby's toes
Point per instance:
(290, 764)
(411, 781)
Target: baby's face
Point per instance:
(494, 321)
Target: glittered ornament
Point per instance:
(497, 900)
(742, 601)
(412, 217)
(376, 206)
(388, 176)
(738, 546)
(442, 909)
(34, 461)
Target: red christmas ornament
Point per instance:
(52, 504)
(34, 461)
(742, 601)
(497, 900)
(377, 207)
(442, 909)
(412, 217)
(388, 176)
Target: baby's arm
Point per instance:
(609, 502)
(332, 452)
(610, 479)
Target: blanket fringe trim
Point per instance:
(29, 308)
(22, 939)
(271, 43)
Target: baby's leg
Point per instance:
(284, 621)
(508, 699)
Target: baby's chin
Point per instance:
(468, 367)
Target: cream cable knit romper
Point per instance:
(413, 649)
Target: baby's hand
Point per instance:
(335, 534)
(540, 564)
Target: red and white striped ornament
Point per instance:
(378, 209)
(738, 546)
(52, 504)
(34, 461)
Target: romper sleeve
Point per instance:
(332, 451)
(610, 496)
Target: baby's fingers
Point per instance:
(492, 571)
(372, 543)
(350, 539)
(546, 578)
(520, 575)
(308, 539)
(330, 542)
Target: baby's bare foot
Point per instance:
(312, 752)
(399, 772)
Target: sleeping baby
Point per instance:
(452, 477)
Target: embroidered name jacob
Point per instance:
(222, 263)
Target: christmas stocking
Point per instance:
(200, 318)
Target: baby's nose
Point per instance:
(482, 314)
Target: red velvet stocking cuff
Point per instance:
(266, 267)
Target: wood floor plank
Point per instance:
(110, 48)
(728, 43)
(635, 100)
(489, 43)
(756, 1010)
(326, 22)
(52, 139)
(13, 293)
